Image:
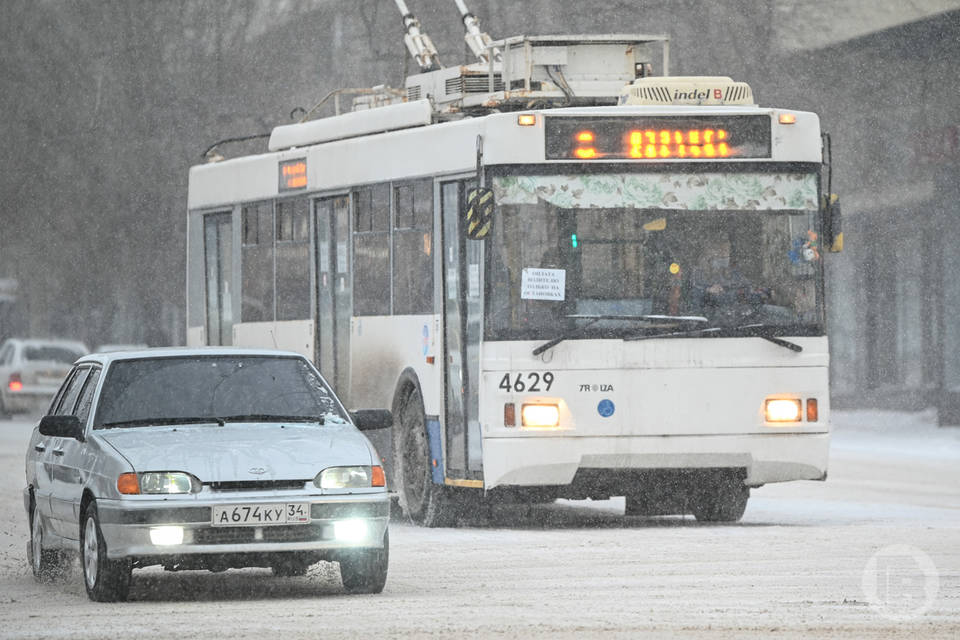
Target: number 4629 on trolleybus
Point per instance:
(565, 277)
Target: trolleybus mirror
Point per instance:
(833, 227)
(478, 212)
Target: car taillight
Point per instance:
(15, 383)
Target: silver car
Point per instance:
(31, 371)
(204, 459)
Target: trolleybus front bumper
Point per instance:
(555, 460)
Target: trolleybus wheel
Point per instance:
(425, 502)
(723, 501)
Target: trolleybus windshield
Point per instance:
(577, 250)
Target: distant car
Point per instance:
(204, 459)
(31, 371)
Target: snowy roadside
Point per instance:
(793, 568)
(894, 433)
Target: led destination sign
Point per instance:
(658, 138)
(293, 174)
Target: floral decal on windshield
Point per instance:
(700, 192)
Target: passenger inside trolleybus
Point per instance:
(648, 270)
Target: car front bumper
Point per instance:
(126, 526)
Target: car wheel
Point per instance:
(291, 568)
(106, 580)
(723, 501)
(46, 564)
(365, 570)
(426, 503)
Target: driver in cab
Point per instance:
(717, 284)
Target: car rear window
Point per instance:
(50, 354)
(158, 389)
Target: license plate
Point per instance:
(261, 515)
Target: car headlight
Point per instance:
(350, 478)
(168, 482)
(350, 530)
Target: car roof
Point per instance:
(183, 352)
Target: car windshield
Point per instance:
(574, 252)
(50, 353)
(214, 388)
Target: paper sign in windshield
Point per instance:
(543, 284)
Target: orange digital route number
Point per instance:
(293, 174)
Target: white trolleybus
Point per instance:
(564, 280)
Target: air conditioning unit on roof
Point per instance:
(690, 90)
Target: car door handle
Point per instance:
(39, 447)
(57, 452)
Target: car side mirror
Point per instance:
(61, 427)
(372, 419)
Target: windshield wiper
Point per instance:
(160, 422)
(753, 330)
(594, 318)
(269, 417)
(762, 331)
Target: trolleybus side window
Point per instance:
(256, 265)
(293, 259)
(371, 251)
(413, 248)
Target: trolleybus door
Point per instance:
(218, 267)
(462, 317)
(333, 292)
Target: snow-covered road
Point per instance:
(874, 552)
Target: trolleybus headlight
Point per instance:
(540, 415)
(782, 410)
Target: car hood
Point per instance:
(242, 451)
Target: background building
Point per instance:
(107, 105)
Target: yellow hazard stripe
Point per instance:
(460, 482)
